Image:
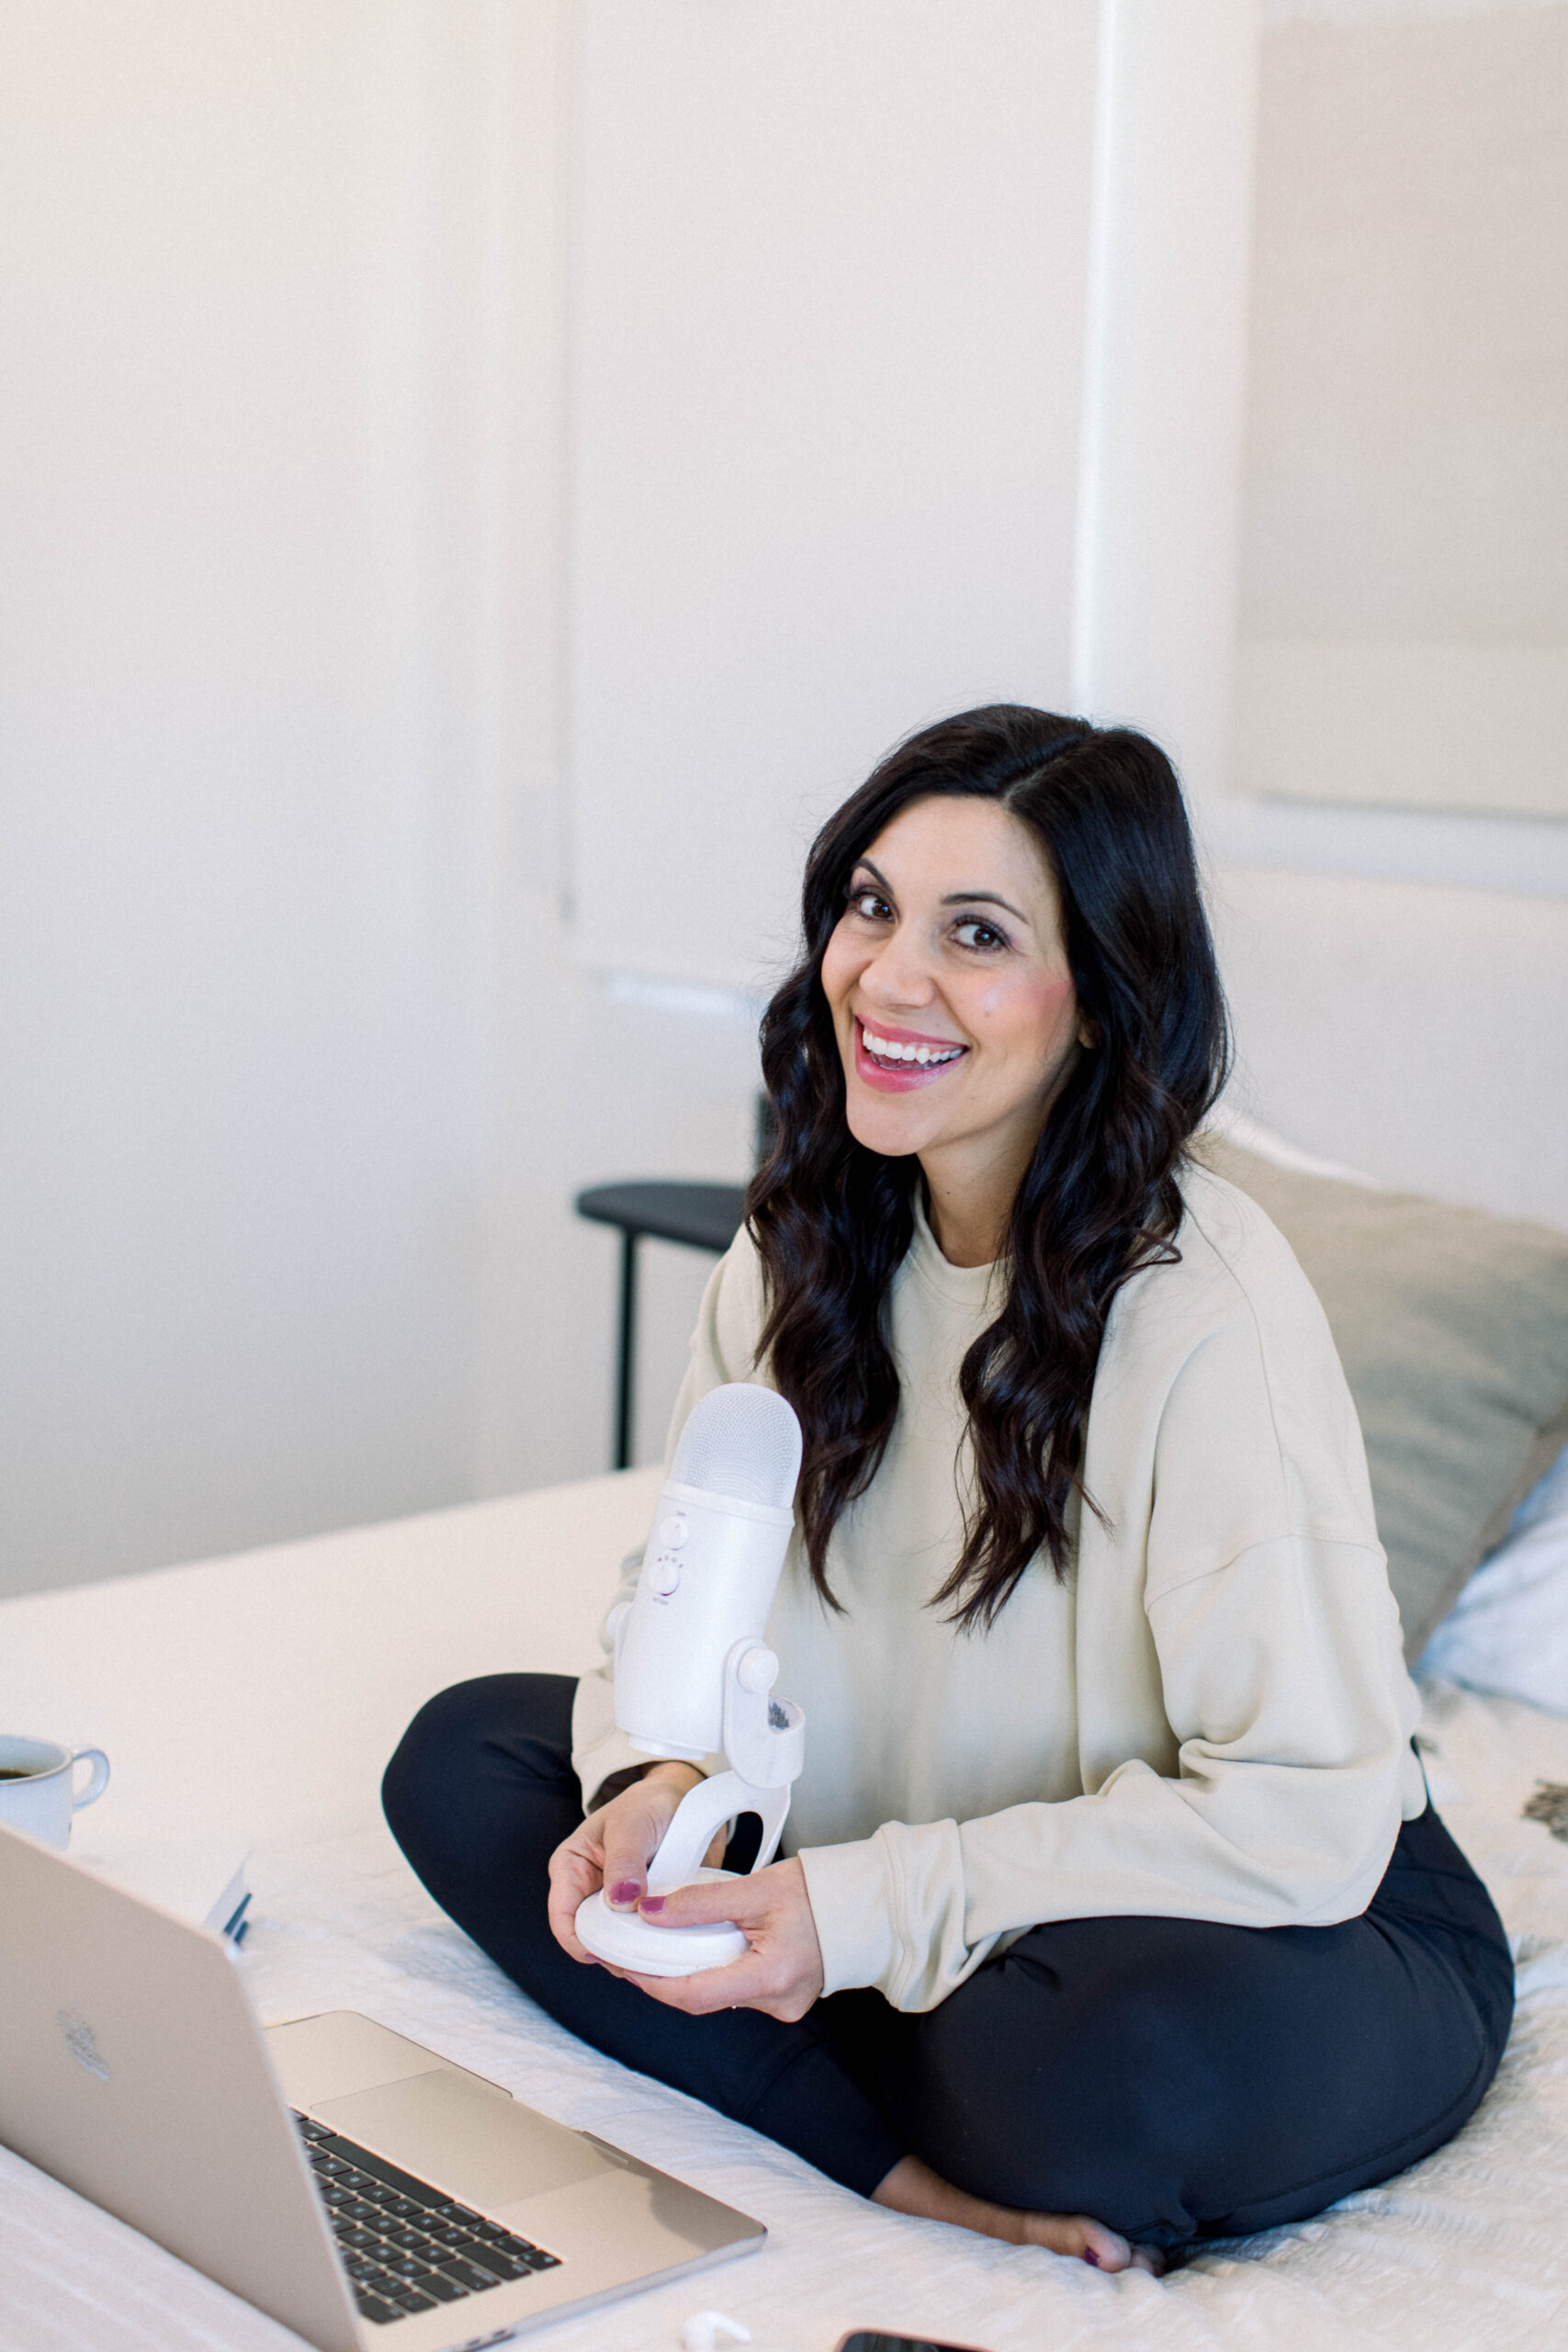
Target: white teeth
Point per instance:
(888, 1049)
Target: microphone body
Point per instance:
(708, 1579)
(694, 1674)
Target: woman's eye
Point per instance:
(870, 904)
(972, 933)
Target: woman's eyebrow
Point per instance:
(983, 898)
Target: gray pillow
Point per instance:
(1452, 1327)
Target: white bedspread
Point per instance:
(1468, 2251)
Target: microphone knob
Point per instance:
(757, 1670)
(673, 1532)
(664, 1576)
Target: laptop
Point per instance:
(349, 2182)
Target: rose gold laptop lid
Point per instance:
(132, 2069)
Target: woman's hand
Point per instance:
(613, 1848)
(782, 1973)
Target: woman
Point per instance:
(1116, 1915)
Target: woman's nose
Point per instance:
(900, 974)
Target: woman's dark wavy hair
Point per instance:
(833, 1220)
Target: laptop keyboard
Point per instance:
(405, 2246)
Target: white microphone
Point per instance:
(693, 1672)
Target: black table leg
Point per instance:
(626, 1370)
(697, 1216)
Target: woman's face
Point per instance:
(952, 998)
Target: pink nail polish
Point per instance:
(625, 1890)
(1091, 2257)
(651, 1903)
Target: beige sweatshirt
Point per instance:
(1210, 1719)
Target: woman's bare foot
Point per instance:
(912, 2188)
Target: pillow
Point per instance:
(1452, 1327)
(1508, 1629)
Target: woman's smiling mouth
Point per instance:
(894, 1060)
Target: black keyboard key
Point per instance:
(356, 2209)
(498, 2264)
(406, 2266)
(415, 2301)
(408, 2239)
(390, 2203)
(354, 2235)
(372, 2307)
(476, 2281)
(401, 2183)
(445, 2290)
(330, 2167)
(540, 2260)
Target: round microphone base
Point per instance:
(627, 1941)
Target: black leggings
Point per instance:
(1175, 2078)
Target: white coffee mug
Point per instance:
(37, 1785)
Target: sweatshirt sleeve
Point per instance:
(1275, 1640)
(722, 1345)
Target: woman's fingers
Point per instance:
(612, 1850)
(631, 1826)
(747, 1983)
(573, 1878)
(631, 1838)
(743, 1900)
(782, 1972)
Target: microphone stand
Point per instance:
(764, 1746)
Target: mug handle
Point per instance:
(99, 1781)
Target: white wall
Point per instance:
(1403, 601)
(829, 282)
(237, 1200)
(300, 1072)
(1164, 397)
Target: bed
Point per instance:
(265, 1692)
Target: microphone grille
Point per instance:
(740, 1441)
